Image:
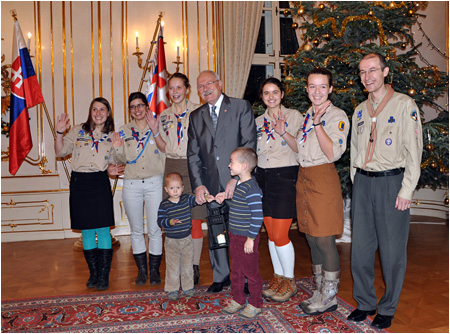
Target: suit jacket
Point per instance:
(209, 153)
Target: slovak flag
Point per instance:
(157, 89)
(25, 93)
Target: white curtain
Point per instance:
(241, 21)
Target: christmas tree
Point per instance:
(336, 35)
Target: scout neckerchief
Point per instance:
(180, 126)
(147, 134)
(373, 115)
(96, 142)
(305, 132)
(141, 140)
(268, 132)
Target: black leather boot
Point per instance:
(91, 258)
(141, 262)
(104, 264)
(196, 274)
(154, 261)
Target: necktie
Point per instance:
(214, 117)
(373, 130)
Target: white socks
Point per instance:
(286, 257)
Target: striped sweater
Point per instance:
(182, 211)
(246, 214)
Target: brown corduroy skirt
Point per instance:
(320, 211)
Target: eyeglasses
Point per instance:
(207, 85)
(139, 106)
(371, 71)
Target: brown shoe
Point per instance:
(232, 307)
(286, 290)
(273, 286)
(250, 312)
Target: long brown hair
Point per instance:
(89, 125)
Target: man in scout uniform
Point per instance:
(385, 154)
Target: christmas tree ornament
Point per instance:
(286, 12)
(442, 170)
(370, 13)
(429, 147)
(301, 11)
(433, 164)
(294, 25)
(411, 92)
(392, 5)
(446, 200)
(6, 128)
(411, 12)
(327, 37)
(423, 92)
(403, 46)
(307, 48)
(321, 6)
(316, 42)
(351, 82)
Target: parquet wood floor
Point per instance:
(52, 268)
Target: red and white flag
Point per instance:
(25, 93)
(157, 89)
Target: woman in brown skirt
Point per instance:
(321, 141)
(173, 126)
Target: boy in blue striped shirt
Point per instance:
(245, 220)
(174, 215)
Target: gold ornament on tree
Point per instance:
(433, 164)
(370, 13)
(294, 25)
(403, 46)
(446, 200)
(327, 37)
(307, 47)
(392, 5)
(321, 6)
(411, 12)
(316, 42)
(351, 82)
(429, 147)
(301, 11)
(286, 12)
(411, 92)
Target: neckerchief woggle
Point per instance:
(143, 148)
(268, 132)
(96, 142)
(305, 132)
(141, 140)
(180, 126)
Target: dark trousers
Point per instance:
(378, 224)
(245, 266)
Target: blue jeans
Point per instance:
(137, 194)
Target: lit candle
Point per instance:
(29, 40)
(178, 49)
(137, 40)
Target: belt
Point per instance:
(389, 172)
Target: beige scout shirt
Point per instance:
(168, 130)
(150, 163)
(336, 127)
(275, 152)
(85, 158)
(399, 140)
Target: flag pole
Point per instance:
(155, 35)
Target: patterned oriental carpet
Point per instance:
(151, 311)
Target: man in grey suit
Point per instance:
(215, 130)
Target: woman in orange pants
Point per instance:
(276, 174)
(173, 126)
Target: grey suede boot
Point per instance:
(328, 291)
(317, 270)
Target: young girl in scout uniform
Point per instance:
(136, 146)
(321, 141)
(173, 127)
(276, 174)
(91, 204)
